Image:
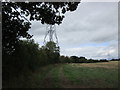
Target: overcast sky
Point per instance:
(90, 31)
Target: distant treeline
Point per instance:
(115, 59)
(75, 59)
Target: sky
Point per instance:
(90, 31)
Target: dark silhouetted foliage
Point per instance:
(75, 59)
(64, 59)
(52, 51)
(115, 60)
(103, 60)
(28, 56)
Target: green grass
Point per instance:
(55, 77)
(91, 77)
(74, 75)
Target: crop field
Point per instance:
(73, 75)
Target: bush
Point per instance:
(27, 55)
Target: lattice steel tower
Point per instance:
(51, 35)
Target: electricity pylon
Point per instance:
(51, 35)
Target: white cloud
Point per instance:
(92, 52)
(92, 22)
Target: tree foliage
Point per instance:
(51, 46)
(16, 16)
(52, 51)
(27, 56)
(76, 59)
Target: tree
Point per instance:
(64, 59)
(15, 23)
(74, 59)
(52, 47)
(52, 51)
(82, 59)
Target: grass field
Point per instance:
(79, 75)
